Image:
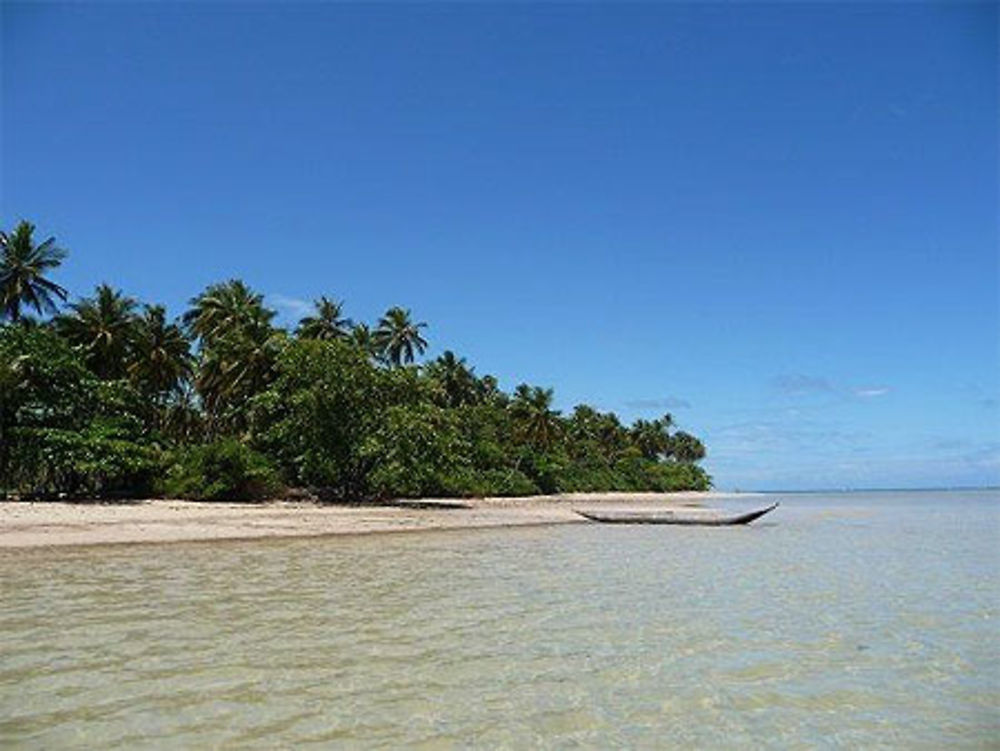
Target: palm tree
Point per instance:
(223, 308)
(239, 347)
(488, 391)
(237, 365)
(612, 436)
(23, 266)
(362, 337)
(651, 437)
(397, 336)
(327, 323)
(104, 329)
(583, 423)
(685, 448)
(535, 420)
(162, 359)
(254, 352)
(583, 429)
(457, 382)
(596, 433)
(181, 419)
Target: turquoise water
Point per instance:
(840, 620)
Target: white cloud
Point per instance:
(798, 383)
(292, 305)
(667, 402)
(801, 386)
(868, 393)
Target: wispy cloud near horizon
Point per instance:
(870, 393)
(799, 385)
(292, 305)
(666, 402)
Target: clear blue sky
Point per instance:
(777, 222)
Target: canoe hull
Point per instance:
(674, 517)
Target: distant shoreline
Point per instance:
(25, 524)
(946, 489)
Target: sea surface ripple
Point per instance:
(839, 621)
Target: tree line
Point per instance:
(105, 396)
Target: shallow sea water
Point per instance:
(847, 620)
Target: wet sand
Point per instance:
(27, 524)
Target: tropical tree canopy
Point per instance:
(327, 323)
(161, 361)
(223, 309)
(61, 429)
(398, 338)
(686, 448)
(238, 350)
(238, 364)
(361, 336)
(24, 266)
(104, 329)
(114, 397)
(536, 422)
(455, 381)
(652, 437)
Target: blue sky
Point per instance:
(777, 222)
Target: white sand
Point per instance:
(24, 524)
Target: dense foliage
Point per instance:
(223, 470)
(109, 397)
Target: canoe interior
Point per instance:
(675, 517)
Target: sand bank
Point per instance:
(24, 524)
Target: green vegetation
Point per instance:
(224, 470)
(109, 398)
(22, 270)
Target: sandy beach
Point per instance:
(27, 524)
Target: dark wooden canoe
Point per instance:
(702, 518)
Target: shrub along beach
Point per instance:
(105, 397)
